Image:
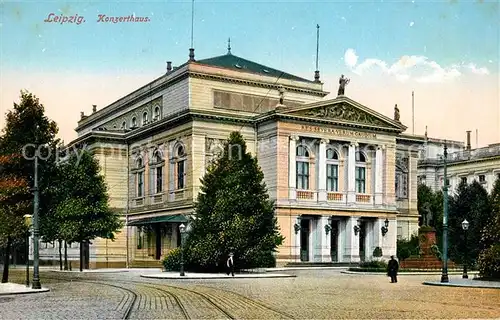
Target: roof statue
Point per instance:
(396, 113)
(282, 94)
(342, 83)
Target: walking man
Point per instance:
(392, 269)
(230, 264)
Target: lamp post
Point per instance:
(27, 222)
(444, 274)
(465, 226)
(36, 275)
(182, 229)
(385, 227)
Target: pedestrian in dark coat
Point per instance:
(392, 269)
(230, 265)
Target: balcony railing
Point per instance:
(363, 198)
(335, 196)
(305, 195)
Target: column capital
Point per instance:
(324, 141)
(294, 137)
(381, 147)
(354, 144)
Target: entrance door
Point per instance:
(334, 240)
(362, 242)
(158, 242)
(304, 240)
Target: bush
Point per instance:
(377, 253)
(489, 263)
(407, 248)
(373, 265)
(435, 250)
(172, 261)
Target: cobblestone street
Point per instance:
(313, 294)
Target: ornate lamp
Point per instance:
(385, 227)
(465, 226)
(182, 229)
(357, 227)
(296, 226)
(328, 227)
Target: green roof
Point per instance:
(159, 219)
(230, 61)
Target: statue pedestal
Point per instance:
(427, 259)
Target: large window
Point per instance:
(157, 172)
(157, 114)
(180, 167)
(139, 178)
(144, 118)
(360, 173)
(332, 170)
(302, 168)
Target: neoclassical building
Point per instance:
(344, 177)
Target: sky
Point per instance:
(446, 52)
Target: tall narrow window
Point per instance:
(124, 125)
(360, 173)
(144, 118)
(157, 114)
(332, 170)
(133, 123)
(140, 178)
(302, 168)
(181, 167)
(157, 172)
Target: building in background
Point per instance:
(338, 171)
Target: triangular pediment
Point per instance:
(344, 110)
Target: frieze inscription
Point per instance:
(340, 132)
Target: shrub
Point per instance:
(172, 261)
(489, 263)
(373, 265)
(435, 250)
(377, 253)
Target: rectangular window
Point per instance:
(463, 180)
(159, 179)
(482, 178)
(180, 174)
(302, 175)
(360, 180)
(140, 184)
(332, 177)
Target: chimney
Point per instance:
(169, 66)
(94, 108)
(468, 141)
(191, 54)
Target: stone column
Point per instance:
(296, 241)
(292, 168)
(379, 176)
(377, 233)
(352, 241)
(390, 239)
(351, 176)
(325, 240)
(322, 171)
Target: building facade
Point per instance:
(344, 177)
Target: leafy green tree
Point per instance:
(431, 201)
(470, 202)
(82, 213)
(489, 258)
(233, 214)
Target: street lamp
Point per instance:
(357, 227)
(444, 274)
(385, 227)
(465, 226)
(182, 229)
(27, 222)
(36, 231)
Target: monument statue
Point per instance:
(342, 83)
(396, 113)
(427, 215)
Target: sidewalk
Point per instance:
(192, 275)
(466, 283)
(15, 288)
(408, 273)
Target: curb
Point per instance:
(86, 272)
(404, 273)
(462, 285)
(177, 277)
(25, 292)
(305, 268)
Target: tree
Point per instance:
(14, 202)
(233, 214)
(489, 257)
(470, 202)
(82, 212)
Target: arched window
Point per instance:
(157, 172)
(144, 118)
(180, 167)
(332, 170)
(157, 114)
(124, 125)
(360, 172)
(302, 174)
(133, 123)
(139, 177)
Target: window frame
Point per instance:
(302, 167)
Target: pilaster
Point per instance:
(325, 239)
(379, 175)
(351, 253)
(292, 165)
(351, 174)
(322, 171)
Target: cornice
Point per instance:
(255, 83)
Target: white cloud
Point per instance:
(412, 23)
(350, 58)
(419, 68)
